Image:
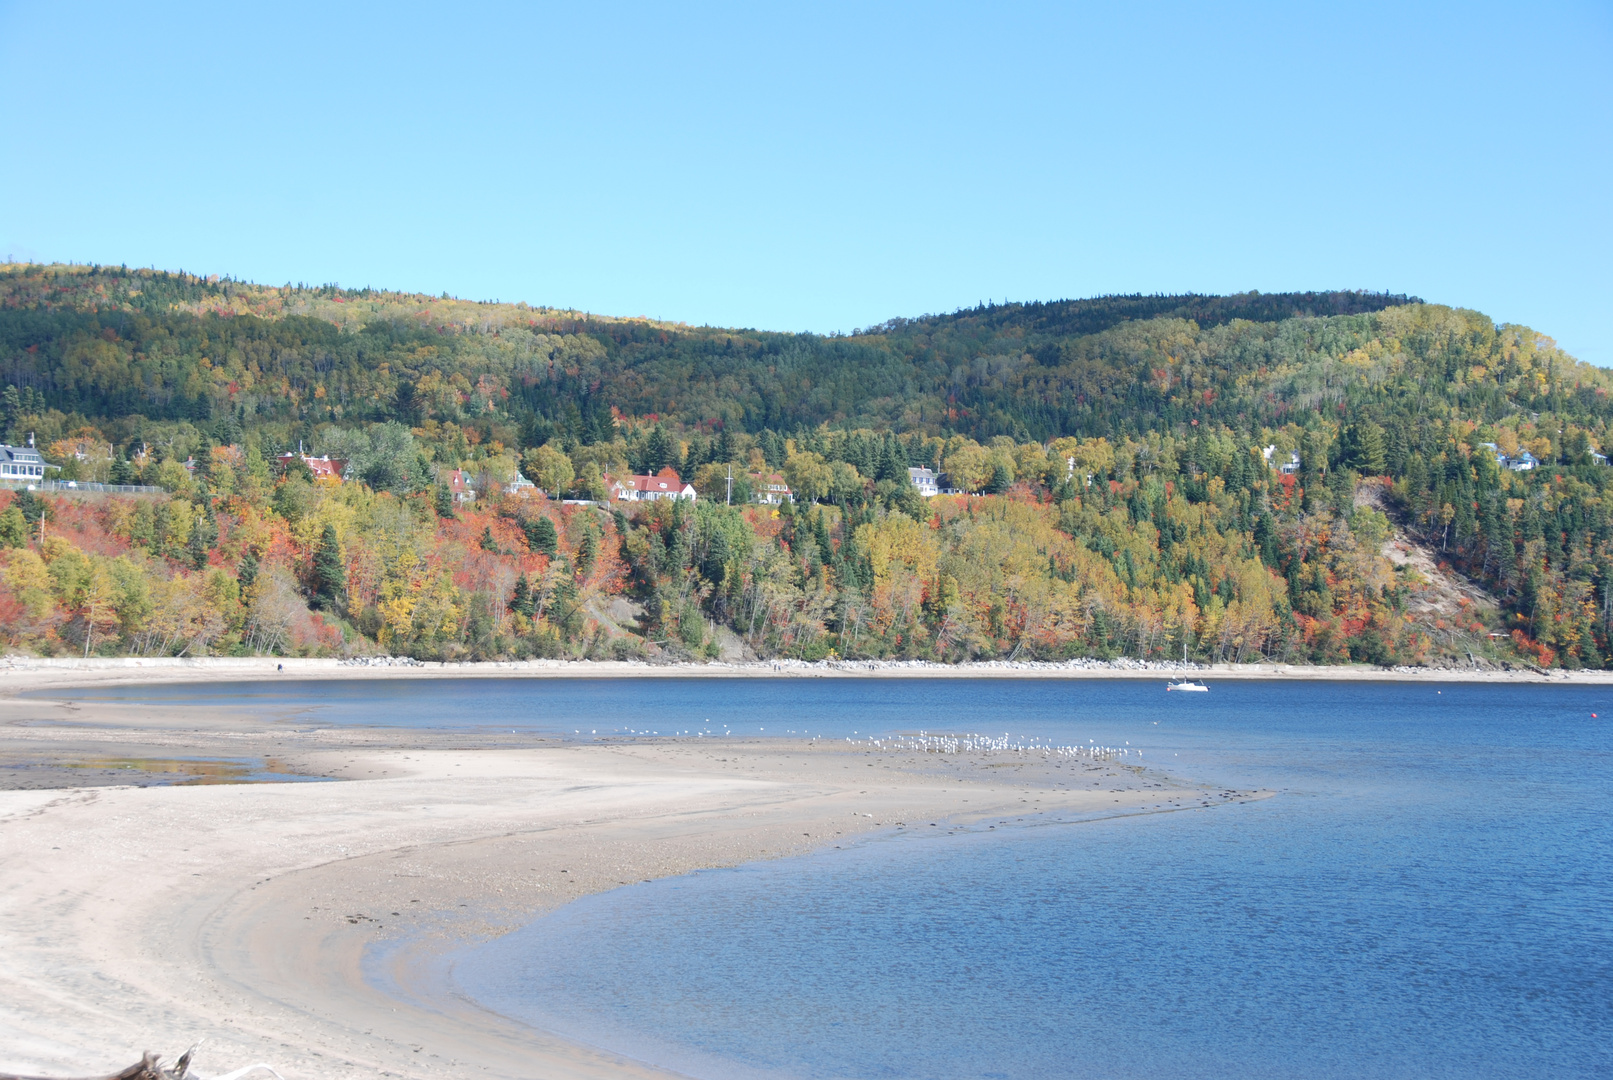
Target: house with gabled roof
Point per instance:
(770, 490)
(460, 485)
(666, 484)
(324, 467)
(925, 480)
(22, 464)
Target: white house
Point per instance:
(521, 487)
(925, 481)
(1287, 468)
(665, 484)
(1522, 461)
(21, 464)
(770, 490)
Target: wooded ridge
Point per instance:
(1243, 476)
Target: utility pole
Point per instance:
(729, 501)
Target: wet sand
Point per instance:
(308, 925)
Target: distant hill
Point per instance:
(106, 344)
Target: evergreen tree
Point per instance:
(772, 444)
(714, 564)
(34, 509)
(892, 462)
(10, 412)
(330, 576)
(444, 501)
(521, 602)
(1366, 449)
(658, 451)
(204, 465)
(123, 472)
(694, 457)
(247, 572)
(1000, 480)
(586, 549)
(541, 536)
(203, 535)
(1265, 534)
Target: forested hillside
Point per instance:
(1122, 499)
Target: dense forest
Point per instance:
(1315, 477)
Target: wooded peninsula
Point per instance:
(237, 469)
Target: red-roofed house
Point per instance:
(459, 483)
(324, 467)
(665, 484)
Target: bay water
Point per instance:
(1429, 893)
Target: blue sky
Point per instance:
(824, 166)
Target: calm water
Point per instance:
(1429, 895)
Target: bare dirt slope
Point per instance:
(1440, 593)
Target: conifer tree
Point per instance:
(202, 537)
(1000, 481)
(541, 536)
(658, 451)
(247, 572)
(521, 602)
(330, 576)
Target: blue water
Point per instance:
(1427, 896)
(1430, 893)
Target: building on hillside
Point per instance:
(1069, 473)
(324, 467)
(21, 464)
(521, 487)
(1286, 468)
(83, 448)
(770, 490)
(925, 481)
(1522, 461)
(460, 485)
(665, 484)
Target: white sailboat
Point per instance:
(1192, 686)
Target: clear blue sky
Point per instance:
(824, 166)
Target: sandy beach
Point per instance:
(19, 674)
(306, 924)
(309, 924)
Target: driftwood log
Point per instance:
(150, 1067)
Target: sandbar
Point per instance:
(309, 924)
